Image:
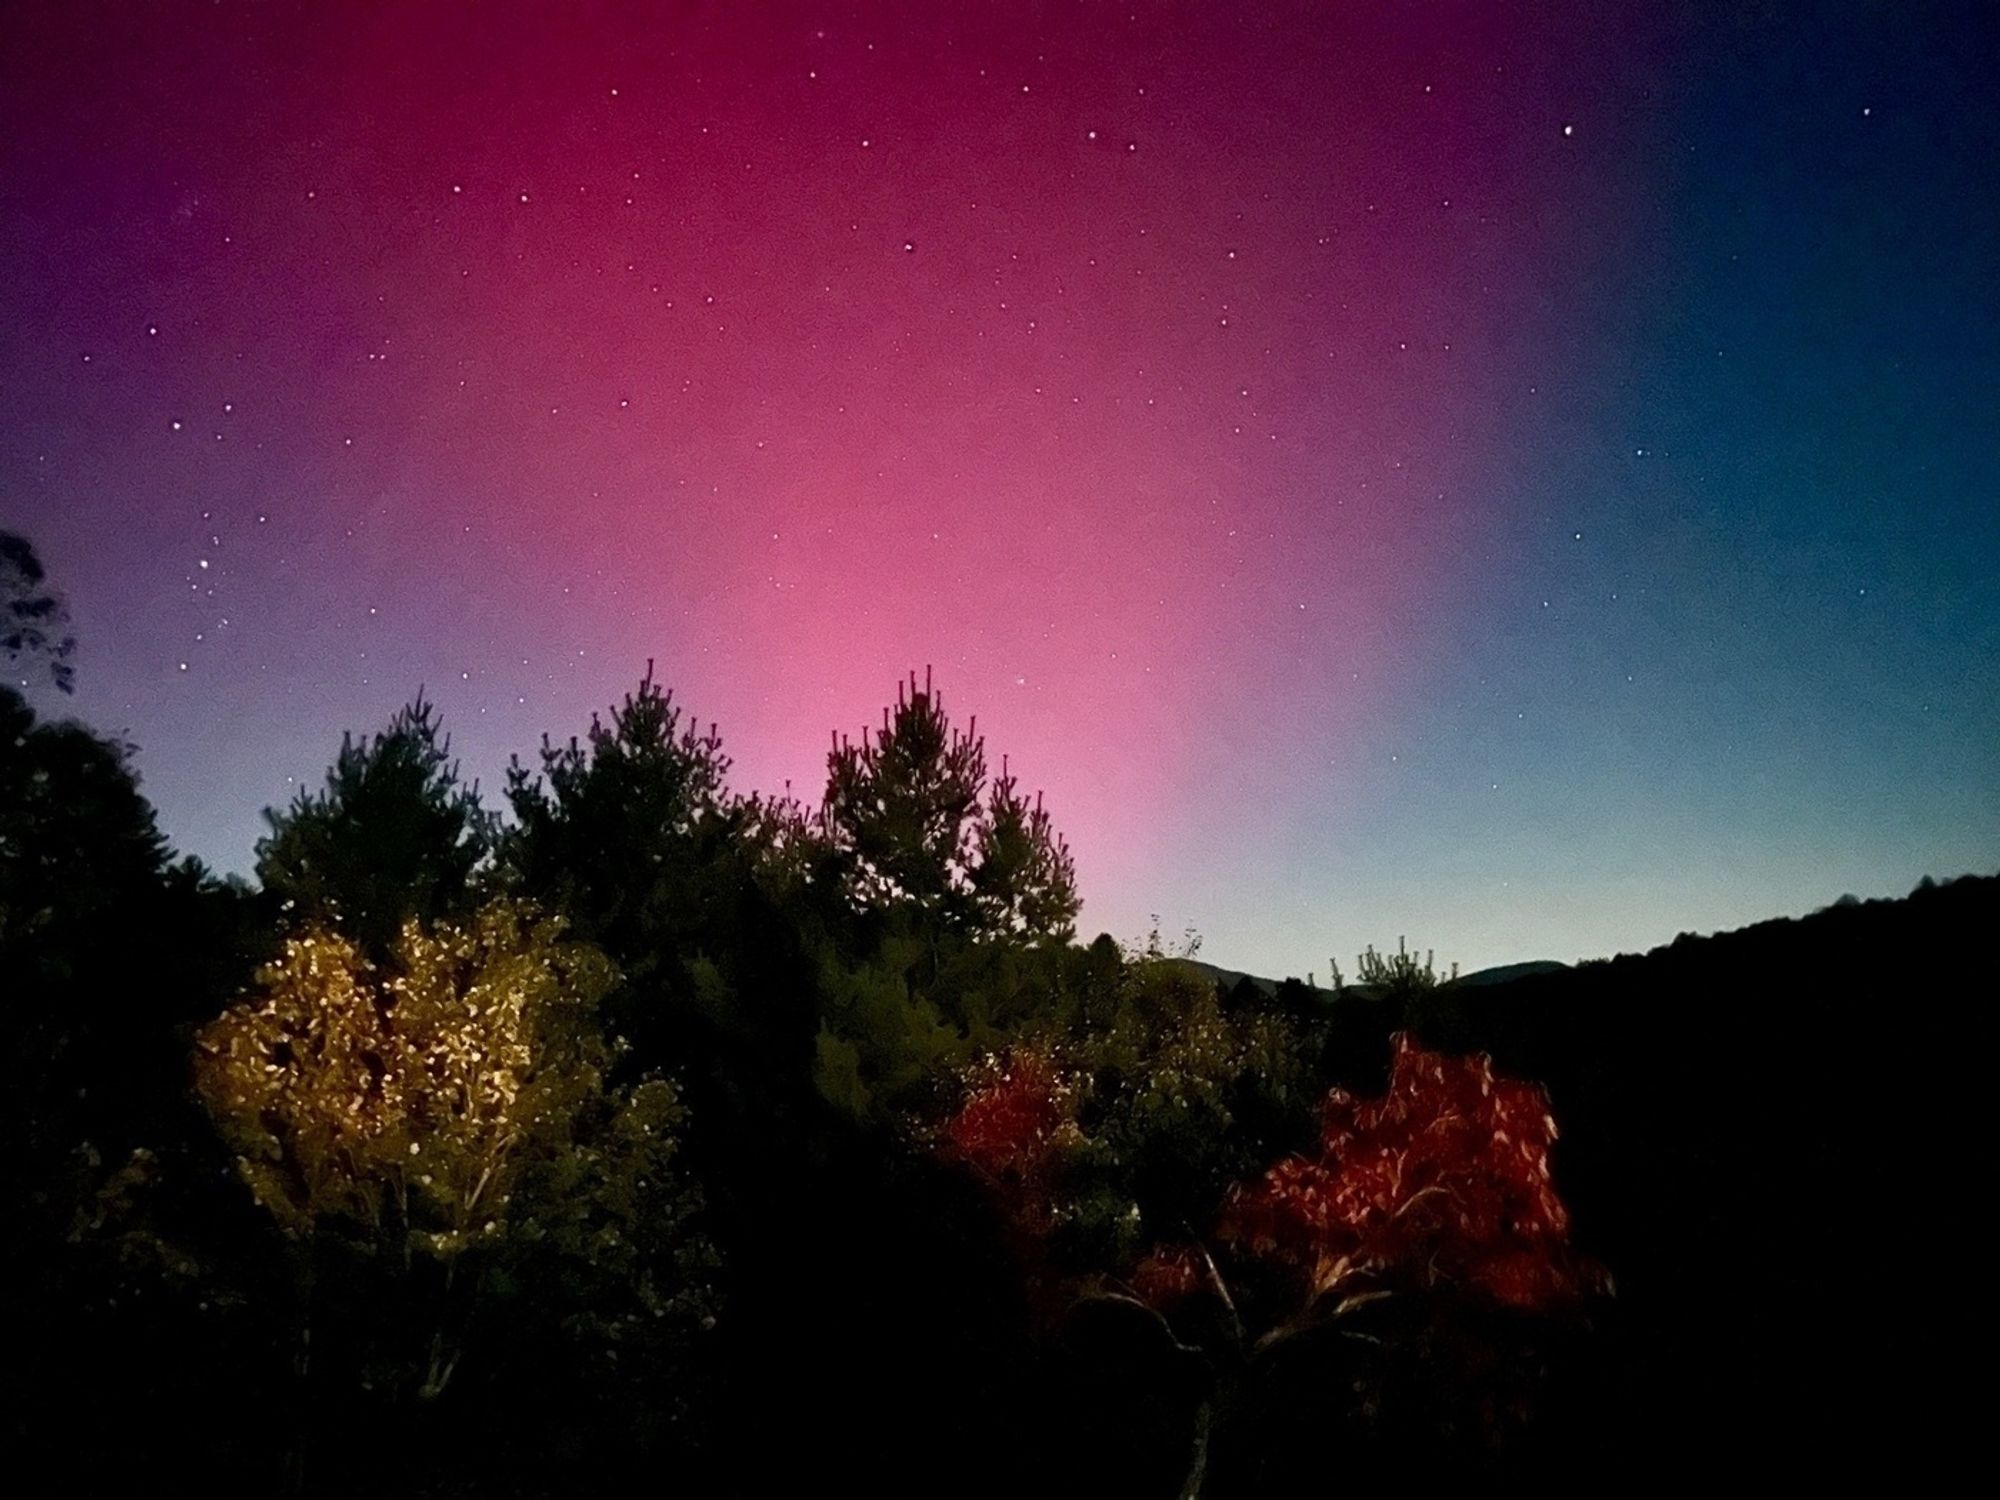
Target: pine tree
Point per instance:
(395, 834)
(1395, 976)
(904, 818)
(622, 831)
(900, 807)
(695, 893)
(1025, 880)
(958, 901)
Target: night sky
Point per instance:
(1522, 476)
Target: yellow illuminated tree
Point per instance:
(453, 1107)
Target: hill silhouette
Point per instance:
(1771, 1135)
(1230, 978)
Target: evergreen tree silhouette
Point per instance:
(900, 806)
(1024, 881)
(905, 821)
(394, 834)
(618, 830)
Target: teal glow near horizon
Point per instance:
(1518, 481)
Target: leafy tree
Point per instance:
(96, 970)
(451, 1110)
(1443, 1178)
(34, 619)
(92, 927)
(1437, 1192)
(109, 956)
(76, 836)
(1408, 1281)
(81, 857)
(1016, 1121)
(393, 835)
(1185, 1096)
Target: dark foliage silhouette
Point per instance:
(34, 620)
(905, 822)
(394, 834)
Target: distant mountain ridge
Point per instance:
(1501, 974)
(1536, 967)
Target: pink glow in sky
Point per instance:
(1178, 382)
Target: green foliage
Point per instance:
(837, 1075)
(882, 1037)
(912, 1012)
(394, 835)
(1023, 881)
(1167, 1097)
(900, 807)
(702, 898)
(457, 1164)
(1184, 1096)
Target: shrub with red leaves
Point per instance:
(1009, 1130)
(1167, 1274)
(1445, 1178)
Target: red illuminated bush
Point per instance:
(1011, 1130)
(1168, 1274)
(1444, 1179)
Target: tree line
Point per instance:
(637, 1127)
